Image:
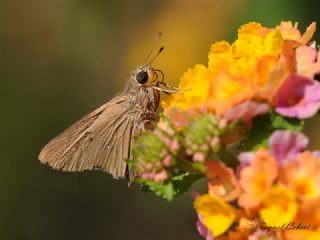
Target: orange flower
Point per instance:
(269, 77)
(309, 213)
(303, 176)
(227, 90)
(222, 182)
(291, 32)
(257, 178)
(302, 234)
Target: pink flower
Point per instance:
(316, 153)
(308, 60)
(161, 176)
(262, 234)
(245, 159)
(198, 157)
(167, 161)
(214, 142)
(286, 145)
(174, 145)
(246, 111)
(203, 230)
(298, 97)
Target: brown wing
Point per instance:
(100, 140)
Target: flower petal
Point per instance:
(222, 181)
(246, 111)
(279, 206)
(286, 145)
(307, 36)
(257, 178)
(298, 97)
(217, 214)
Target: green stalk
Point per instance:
(228, 158)
(188, 166)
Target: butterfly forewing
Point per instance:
(100, 140)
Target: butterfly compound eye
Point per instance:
(142, 77)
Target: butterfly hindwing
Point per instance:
(100, 140)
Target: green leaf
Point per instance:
(259, 134)
(264, 126)
(182, 183)
(168, 190)
(280, 122)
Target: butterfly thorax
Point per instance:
(142, 93)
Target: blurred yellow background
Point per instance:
(62, 58)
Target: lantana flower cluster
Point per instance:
(272, 194)
(238, 123)
(271, 65)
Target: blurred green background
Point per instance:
(62, 58)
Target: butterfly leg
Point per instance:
(165, 90)
(174, 89)
(169, 86)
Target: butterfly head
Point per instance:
(145, 75)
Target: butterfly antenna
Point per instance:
(153, 46)
(154, 58)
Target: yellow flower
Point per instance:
(219, 56)
(249, 42)
(279, 207)
(194, 85)
(216, 213)
(273, 43)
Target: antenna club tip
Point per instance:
(161, 49)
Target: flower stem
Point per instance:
(228, 158)
(188, 166)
